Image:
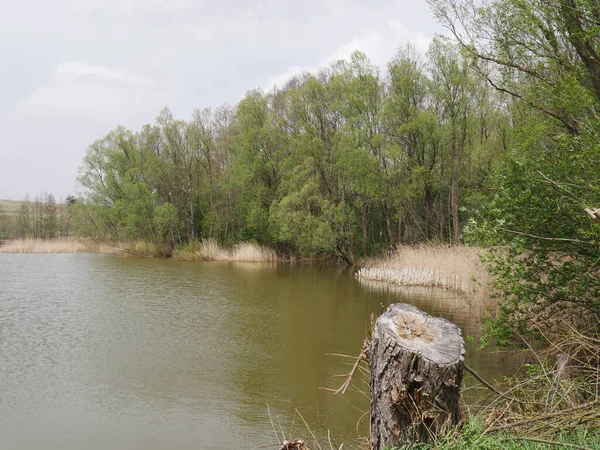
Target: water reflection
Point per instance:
(122, 353)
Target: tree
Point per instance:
(545, 56)
(337, 164)
(4, 224)
(23, 218)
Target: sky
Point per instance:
(72, 70)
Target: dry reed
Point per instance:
(210, 250)
(64, 245)
(145, 249)
(457, 268)
(557, 393)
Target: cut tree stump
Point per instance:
(417, 365)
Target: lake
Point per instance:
(103, 352)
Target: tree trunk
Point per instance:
(454, 203)
(365, 222)
(417, 364)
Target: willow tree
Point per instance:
(412, 130)
(545, 56)
(5, 232)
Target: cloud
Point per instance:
(78, 88)
(71, 71)
(78, 71)
(380, 46)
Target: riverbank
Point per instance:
(206, 250)
(211, 250)
(63, 245)
(456, 268)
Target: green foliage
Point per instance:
(545, 248)
(474, 436)
(166, 221)
(3, 224)
(339, 164)
(301, 219)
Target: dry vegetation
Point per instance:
(66, 245)
(206, 250)
(210, 250)
(556, 395)
(457, 268)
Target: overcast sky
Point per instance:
(72, 70)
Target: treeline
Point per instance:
(341, 163)
(492, 136)
(40, 218)
(545, 248)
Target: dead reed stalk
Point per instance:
(64, 245)
(557, 393)
(457, 268)
(211, 250)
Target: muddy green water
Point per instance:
(100, 352)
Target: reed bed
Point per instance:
(411, 276)
(210, 250)
(555, 400)
(145, 249)
(64, 245)
(456, 268)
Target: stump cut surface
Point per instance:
(417, 364)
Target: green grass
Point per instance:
(473, 436)
(10, 207)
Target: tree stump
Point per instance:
(417, 364)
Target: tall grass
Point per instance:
(145, 249)
(206, 250)
(210, 250)
(65, 245)
(457, 268)
(474, 435)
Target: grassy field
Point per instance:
(10, 207)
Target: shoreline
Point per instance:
(455, 268)
(60, 245)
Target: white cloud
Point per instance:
(379, 46)
(77, 88)
(72, 70)
(75, 70)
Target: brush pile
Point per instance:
(557, 394)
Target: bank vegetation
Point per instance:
(491, 137)
(456, 268)
(59, 245)
(340, 164)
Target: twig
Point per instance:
(361, 418)
(545, 416)
(265, 446)
(544, 441)
(280, 428)
(576, 241)
(273, 425)
(293, 423)
(558, 185)
(593, 214)
(309, 430)
(485, 383)
(361, 357)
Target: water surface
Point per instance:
(101, 352)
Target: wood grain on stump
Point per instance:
(417, 364)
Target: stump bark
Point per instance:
(417, 365)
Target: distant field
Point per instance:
(10, 206)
